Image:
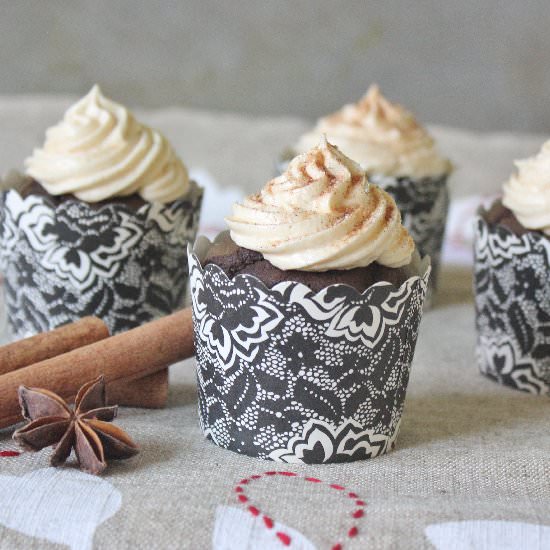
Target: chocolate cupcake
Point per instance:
(400, 156)
(512, 270)
(98, 225)
(306, 316)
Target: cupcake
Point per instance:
(306, 316)
(98, 225)
(398, 155)
(512, 270)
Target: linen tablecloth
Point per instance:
(472, 463)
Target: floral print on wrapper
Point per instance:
(295, 376)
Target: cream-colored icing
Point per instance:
(100, 151)
(382, 136)
(322, 214)
(527, 192)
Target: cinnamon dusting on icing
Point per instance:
(322, 214)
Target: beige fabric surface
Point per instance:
(468, 448)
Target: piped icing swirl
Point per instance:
(322, 214)
(382, 136)
(527, 192)
(100, 151)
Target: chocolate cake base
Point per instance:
(499, 214)
(236, 260)
(33, 187)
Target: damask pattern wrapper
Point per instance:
(63, 262)
(290, 375)
(424, 205)
(512, 293)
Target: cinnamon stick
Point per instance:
(149, 392)
(131, 355)
(49, 344)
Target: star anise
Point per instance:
(85, 427)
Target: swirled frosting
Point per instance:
(99, 151)
(527, 192)
(322, 214)
(383, 137)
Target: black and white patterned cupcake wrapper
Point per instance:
(512, 295)
(291, 375)
(424, 205)
(61, 263)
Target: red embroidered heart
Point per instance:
(357, 511)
